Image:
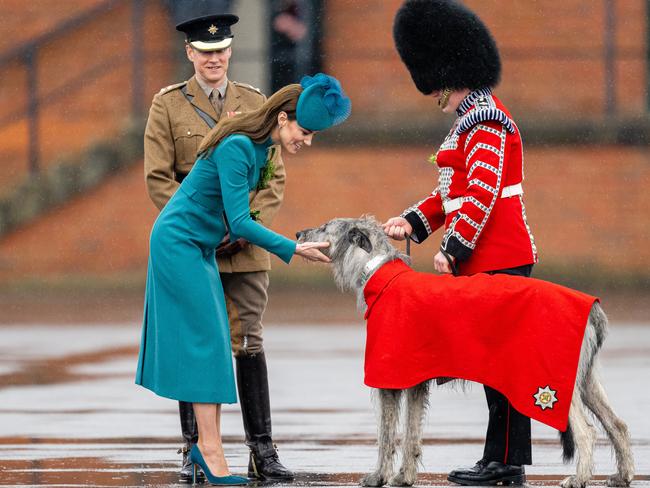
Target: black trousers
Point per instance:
(508, 434)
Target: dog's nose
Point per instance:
(302, 234)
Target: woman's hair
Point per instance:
(259, 123)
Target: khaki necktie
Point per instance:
(217, 102)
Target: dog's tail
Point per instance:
(568, 444)
(598, 318)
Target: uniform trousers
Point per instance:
(508, 434)
(246, 299)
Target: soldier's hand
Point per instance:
(397, 228)
(441, 264)
(227, 249)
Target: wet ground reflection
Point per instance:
(95, 472)
(70, 414)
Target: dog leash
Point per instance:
(452, 265)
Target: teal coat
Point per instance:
(185, 347)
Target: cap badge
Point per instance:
(213, 29)
(545, 397)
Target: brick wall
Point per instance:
(84, 79)
(552, 53)
(23, 20)
(587, 207)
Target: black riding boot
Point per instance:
(253, 386)
(190, 437)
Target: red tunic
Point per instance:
(481, 156)
(520, 336)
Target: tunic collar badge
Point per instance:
(545, 397)
(471, 98)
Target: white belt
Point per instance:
(509, 191)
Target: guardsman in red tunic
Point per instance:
(479, 197)
(452, 56)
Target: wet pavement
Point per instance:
(70, 414)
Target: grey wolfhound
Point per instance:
(358, 247)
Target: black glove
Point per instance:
(227, 248)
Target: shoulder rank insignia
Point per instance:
(172, 87)
(249, 87)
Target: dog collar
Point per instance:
(371, 266)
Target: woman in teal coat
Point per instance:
(185, 348)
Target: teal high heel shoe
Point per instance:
(231, 480)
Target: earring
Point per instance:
(444, 99)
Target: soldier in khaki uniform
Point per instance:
(180, 116)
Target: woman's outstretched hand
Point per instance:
(397, 228)
(311, 251)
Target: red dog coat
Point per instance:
(521, 336)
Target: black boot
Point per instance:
(253, 386)
(478, 467)
(492, 473)
(190, 436)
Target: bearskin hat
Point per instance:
(445, 45)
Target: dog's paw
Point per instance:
(572, 482)
(403, 479)
(372, 479)
(618, 480)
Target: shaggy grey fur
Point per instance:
(355, 242)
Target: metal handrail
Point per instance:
(93, 73)
(27, 54)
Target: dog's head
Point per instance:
(353, 242)
(346, 235)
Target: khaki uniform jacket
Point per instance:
(172, 138)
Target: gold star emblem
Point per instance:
(213, 29)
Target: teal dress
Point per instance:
(185, 346)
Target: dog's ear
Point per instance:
(359, 239)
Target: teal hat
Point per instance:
(322, 103)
